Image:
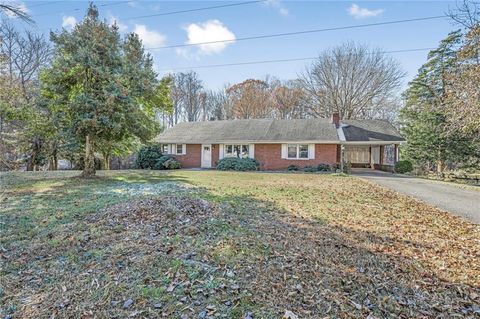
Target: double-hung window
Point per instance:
(179, 149)
(236, 150)
(165, 149)
(297, 151)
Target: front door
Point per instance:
(206, 156)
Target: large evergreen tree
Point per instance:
(425, 115)
(103, 87)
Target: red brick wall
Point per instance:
(193, 156)
(270, 156)
(215, 154)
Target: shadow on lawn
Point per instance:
(248, 255)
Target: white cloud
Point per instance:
(360, 13)
(69, 22)
(209, 31)
(277, 5)
(133, 4)
(20, 5)
(115, 20)
(149, 38)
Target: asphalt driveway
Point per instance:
(451, 198)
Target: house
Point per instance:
(276, 144)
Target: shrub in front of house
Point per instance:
(310, 169)
(237, 164)
(292, 168)
(172, 163)
(403, 167)
(148, 156)
(167, 162)
(324, 168)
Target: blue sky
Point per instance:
(267, 17)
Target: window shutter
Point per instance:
(251, 150)
(170, 146)
(284, 151)
(220, 151)
(184, 149)
(311, 151)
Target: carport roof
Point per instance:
(370, 131)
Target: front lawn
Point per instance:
(208, 244)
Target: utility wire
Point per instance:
(275, 35)
(78, 9)
(161, 13)
(197, 9)
(280, 60)
(43, 4)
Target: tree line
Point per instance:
(352, 79)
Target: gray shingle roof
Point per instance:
(370, 130)
(251, 131)
(276, 131)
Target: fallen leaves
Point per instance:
(351, 250)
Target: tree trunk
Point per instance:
(106, 161)
(440, 166)
(89, 167)
(53, 163)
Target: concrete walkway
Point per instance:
(451, 198)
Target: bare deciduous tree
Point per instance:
(187, 96)
(23, 55)
(217, 105)
(353, 80)
(15, 10)
(250, 99)
(466, 13)
(287, 99)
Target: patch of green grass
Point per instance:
(152, 292)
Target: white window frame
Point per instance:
(165, 148)
(176, 149)
(297, 152)
(233, 153)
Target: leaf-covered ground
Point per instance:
(207, 244)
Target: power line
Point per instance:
(197, 9)
(77, 9)
(43, 4)
(161, 13)
(280, 60)
(275, 35)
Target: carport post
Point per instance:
(342, 150)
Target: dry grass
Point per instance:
(191, 244)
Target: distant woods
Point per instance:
(352, 79)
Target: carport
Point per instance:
(369, 144)
(376, 156)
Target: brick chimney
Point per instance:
(336, 119)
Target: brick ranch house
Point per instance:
(276, 144)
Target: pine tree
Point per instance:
(423, 116)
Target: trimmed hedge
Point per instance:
(403, 167)
(237, 164)
(148, 156)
